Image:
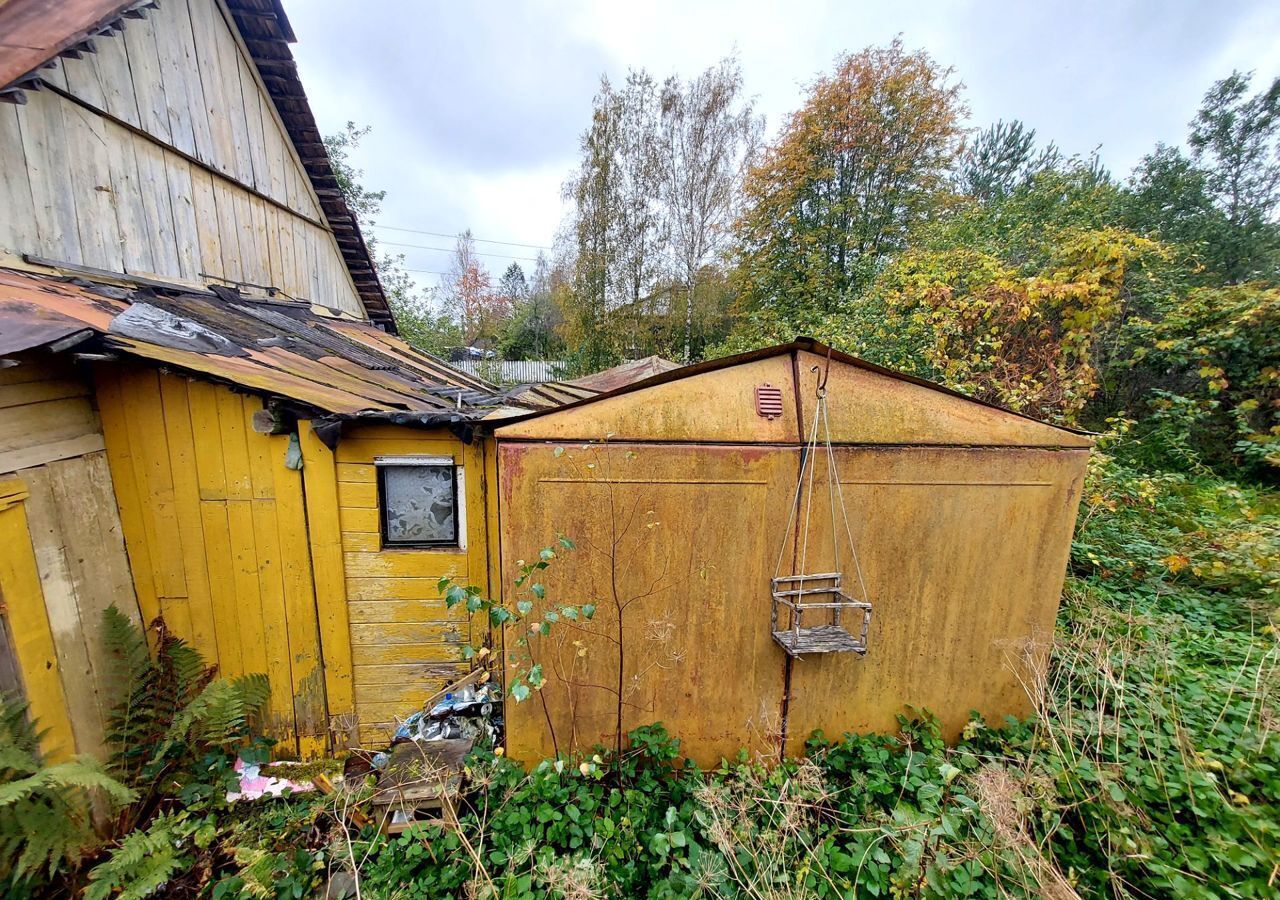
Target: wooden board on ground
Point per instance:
(421, 783)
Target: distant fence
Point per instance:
(512, 371)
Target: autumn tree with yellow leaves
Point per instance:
(862, 162)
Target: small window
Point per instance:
(419, 500)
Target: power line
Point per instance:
(451, 249)
(473, 237)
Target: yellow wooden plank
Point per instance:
(493, 525)
(417, 589)
(248, 591)
(320, 491)
(475, 486)
(222, 586)
(29, 628)
(378, 655)
(272, 606)
(378, 714)
(207, 435)
(144, 419)
(405, 633)
(274, 623)
(431, 611)
(407, 563)
(368, 434)
(186, 498)
(362, 495)
(359, 473)
(403, 443)
(235, 449)
(361, 542)
(309, 704)
(61, 591)
(406, 686)
(357, 520)
(128, 496)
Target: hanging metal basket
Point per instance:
(827, 629)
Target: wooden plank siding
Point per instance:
(51, 450)
(27, 623)
(405, 644)
(216, 531)
(163, 155)
(47, 414)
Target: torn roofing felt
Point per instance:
(336, 365)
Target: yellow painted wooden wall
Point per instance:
(28, 625)
(405, 645)
(61, 526)
(216, 529)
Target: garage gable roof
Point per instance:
(713, 401)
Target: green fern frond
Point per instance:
(45, 811)
(142, 864)
(220, 714)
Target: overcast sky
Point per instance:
(477, 107)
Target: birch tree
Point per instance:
(707, 132)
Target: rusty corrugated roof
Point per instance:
(627, 373)
(34, 31)
(335, 365)
(554, 394)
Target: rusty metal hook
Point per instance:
(826, 372)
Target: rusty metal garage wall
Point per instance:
(962, 515)
(963, 552)
(690, 534)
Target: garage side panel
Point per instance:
(675, 546)
(963, 553)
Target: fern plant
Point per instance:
(143, 862)
(174, 736)
(174, 718)
(45, 810)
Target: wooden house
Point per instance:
(189, 321)
(206, 417)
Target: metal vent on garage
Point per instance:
(768, 401)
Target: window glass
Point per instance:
(421, 504)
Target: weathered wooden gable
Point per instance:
(162, 153)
